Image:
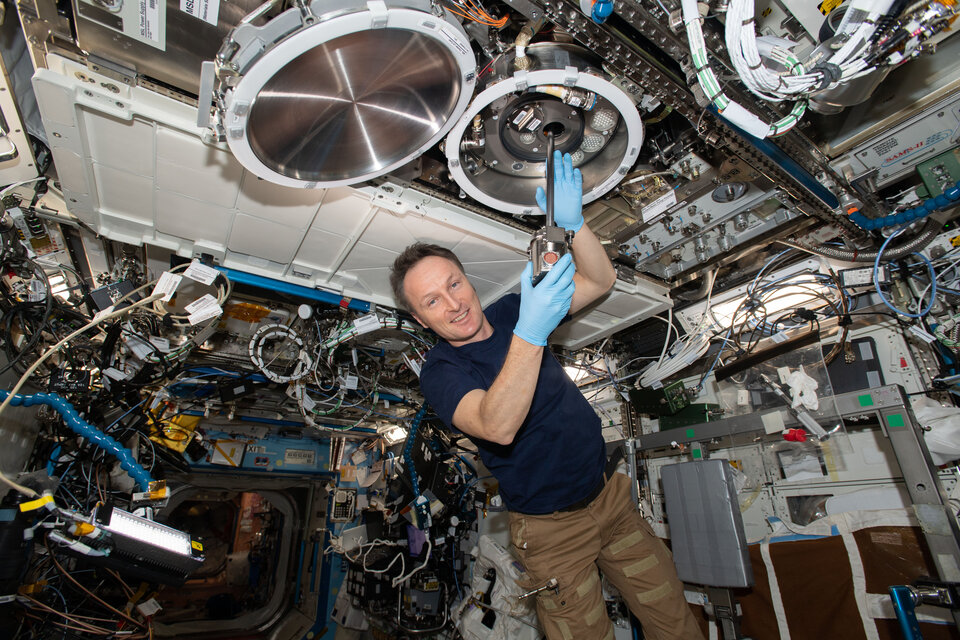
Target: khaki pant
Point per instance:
(611, 535)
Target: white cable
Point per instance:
(97, 320)
(666, 339)
(687, 349)
(13, 186)
(404, 578)
(273, 332)
(730, 110)
(46, 354)
(795, 82)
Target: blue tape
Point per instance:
(281, 286)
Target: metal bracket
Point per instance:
(378, 14)
(112, 70)
(520, 77)
(208, 75)
(526, 7)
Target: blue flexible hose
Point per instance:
(86, 430)
(948, 198)
(421, 506)
(408, 449)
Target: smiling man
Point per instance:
(492, 378)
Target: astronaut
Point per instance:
(492, 378)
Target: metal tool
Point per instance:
(805, 418)
(551, 585)
(550, 242)
(906, 598)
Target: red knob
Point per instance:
(795, 435)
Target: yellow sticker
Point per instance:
(828, 5)
(35, 504)
(766, 12)
(196, 545)
(955, 241)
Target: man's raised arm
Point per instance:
(595, 274)
(497, 413)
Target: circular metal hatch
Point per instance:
(496, 151)
(348, 98)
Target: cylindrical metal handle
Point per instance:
(9, 153)
(550, 178)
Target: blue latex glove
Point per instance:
(542, 307)
(567, 194)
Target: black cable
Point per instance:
(48, 308)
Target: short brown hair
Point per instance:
(410, 257)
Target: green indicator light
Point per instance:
(690, 433)
(697, 454)
(866, 400)
(895, 420)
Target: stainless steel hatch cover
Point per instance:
(342, 94)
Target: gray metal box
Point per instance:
(706, 529)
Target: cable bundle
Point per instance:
(474, 11)
(796, 82)
(800, 80)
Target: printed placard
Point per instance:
(367, 323)
(205, 300)
(203, 308)
(37, 292)
(167, 285)
(206, 10)
(299, 456)
(658, 206)
(204, 314)
(201, 272)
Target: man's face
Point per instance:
(441, 298)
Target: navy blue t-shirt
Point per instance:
(558, 455)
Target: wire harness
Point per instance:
(86, 430)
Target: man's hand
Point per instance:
(567, 194)
(542, 307)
